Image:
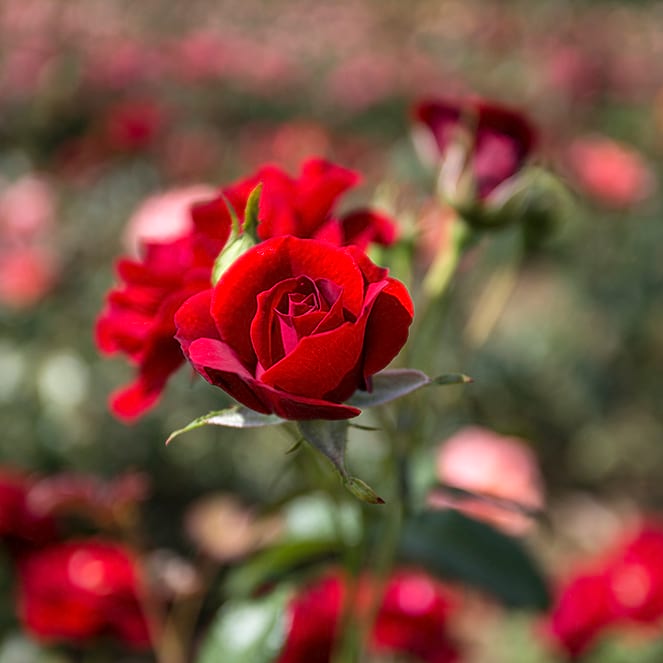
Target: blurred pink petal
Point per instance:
(494, 466)
(164, 217)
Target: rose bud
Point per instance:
(295, 326)
(479, 147)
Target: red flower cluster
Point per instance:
(72, 590)
(139, 318)
(295, 327)
(411, 620)
(79, 591)
(625, 587)
(498, 140)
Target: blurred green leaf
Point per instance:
(237, 416)
(455, 547)
(275, 563)
(251, 631)
(330, 439)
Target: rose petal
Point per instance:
(234, 304)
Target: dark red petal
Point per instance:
(441, 118)
(387, 328)
(319, 363)
(220, 366)
(161, 360)
(364, 226)
(318, 186)
(193, 320)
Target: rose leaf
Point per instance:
(392, 384)
(237, 416)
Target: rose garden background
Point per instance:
(116, 117)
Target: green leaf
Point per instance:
(277, 562)
(455, 547)
(395, 383)
(330, 439)
(249, 631)
(237, 416)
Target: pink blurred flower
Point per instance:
(27, 208)
(26, 275)
(164, 217)
(497, 468)
(611, 173)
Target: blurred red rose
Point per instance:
(495, 141)
(295, 326)
(81, 590)
(304, 206)
(622, 588)
(138, 320)
(133, 125)
(613, 174)
(412, 619)
(21, 524)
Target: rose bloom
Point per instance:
(495, 466)
(624, 587)
(295, 326)
(613, 174)
(303, 206)
(411, 620)
(81, 590)
(138, 320)
(501, 139)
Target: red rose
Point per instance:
(303, 206)
(138, 320)
(500, 139)
(411, 620)
(78, 591)
(295, 326)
